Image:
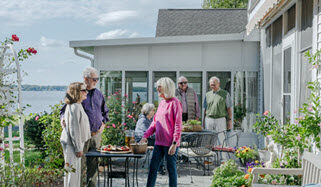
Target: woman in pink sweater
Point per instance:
(167, 126)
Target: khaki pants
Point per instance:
(216, 125)
(92, 163)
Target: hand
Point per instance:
(143, 140)
(62, 123)
(172, 149)
(79, 154)
(102, 127)
(229, 125)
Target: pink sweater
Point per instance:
(167, 123)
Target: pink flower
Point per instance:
(122, 105)
(107, 126)
(124, 124)
(316, 66)
(1, 149)
(114, 126)
(15, 38)
(108, 97)
(295, 111)
(37, 118)
(298, 137)
(286, 163)
(126, 95)
(266, 113)
(274, 182)
(296, 121)
(130, 117)
(6, 145)
(310, 109)
(134, 102)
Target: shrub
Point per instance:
(33, 129)
(228, 174)
(51, 137)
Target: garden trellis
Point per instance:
(10, 100)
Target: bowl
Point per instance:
(138, 148)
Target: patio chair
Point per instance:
(197, 146)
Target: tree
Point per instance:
(224, 4)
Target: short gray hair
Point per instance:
(88, 71)
(168, 85)
(147, 108)
(182, 77)
(213, 79)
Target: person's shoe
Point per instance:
(162, 171)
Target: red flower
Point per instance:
(266, 113)
(31, 50)
(1, 149)
(15, 38)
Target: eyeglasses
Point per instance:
(181, 83)
(84, 90)
(94, 79)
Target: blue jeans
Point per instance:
(158, 155)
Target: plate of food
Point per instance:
(115, 149)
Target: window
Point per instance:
(305, 77)
(276, 68)
(157, 75)
(306, 23)
(291, 18)
(136, 86)
(110, 82)
(245, 98)
(287, 85)
(267, 68)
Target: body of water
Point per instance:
(40, 101)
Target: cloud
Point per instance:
(118, 33)
(46, 42)
(115, 16)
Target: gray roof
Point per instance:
(183, 22)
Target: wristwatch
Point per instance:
(174, 143)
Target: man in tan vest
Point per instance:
(189, 100)
(218, 109)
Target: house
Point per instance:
(195, 43)
(288, 29)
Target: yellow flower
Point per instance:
(256, 161)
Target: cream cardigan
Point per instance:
(77, 130)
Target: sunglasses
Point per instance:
(95, 79)
(182, 83)
(84, 90)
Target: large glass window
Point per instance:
(306, 23)
(245, 99)
(225, 79)
(305, 77)
(276, 70)
(156, 76)
(136, 86)
(110, 82)
(267, 68)
(195, 82)
(287, 85)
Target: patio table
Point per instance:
(110, 174)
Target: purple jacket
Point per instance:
(95, 108)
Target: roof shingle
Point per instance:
(184, 22)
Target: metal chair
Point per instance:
(198, 146)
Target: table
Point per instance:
(117, 174)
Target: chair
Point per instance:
(198, 146)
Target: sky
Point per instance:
(49, 25)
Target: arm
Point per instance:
(204, 106)
(229, 111)
(197, 106)
(150, 131)
(104, 111)
(177, 128)
(74, 128)
(62, 115)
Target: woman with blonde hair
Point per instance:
(75, 133)
(167, 125)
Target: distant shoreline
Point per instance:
(27, 87)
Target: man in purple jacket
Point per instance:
(97, 113)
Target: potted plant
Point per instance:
(192, 126)
(246, 154)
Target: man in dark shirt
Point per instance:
(97, 112)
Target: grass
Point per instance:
(32, 157)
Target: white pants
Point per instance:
(216, 125)
(71, 179)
